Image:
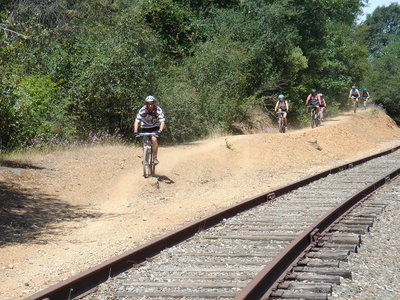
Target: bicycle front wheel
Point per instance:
(147, 162)
(312, 120)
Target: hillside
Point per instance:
(65, 211)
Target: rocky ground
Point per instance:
(62, 212)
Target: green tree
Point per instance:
(383, 25)
(383, 82)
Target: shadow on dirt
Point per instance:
(164, 179)
(30, 219)
(20, 165)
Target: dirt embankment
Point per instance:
(63, 212)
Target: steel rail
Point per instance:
(267, 280)
(86, 280)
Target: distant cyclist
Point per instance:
(314, 100)
(282, 106)
(365, 97)
(354, 94)
(322, 105)
(151, 119)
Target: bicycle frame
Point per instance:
(314, 116)
(281, 122)
(355, 103)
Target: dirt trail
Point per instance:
(67, 211)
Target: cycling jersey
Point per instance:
(150, 119)
(322, 102)
(282, 104)
(314, 100)
(365, 94)
(354, 92)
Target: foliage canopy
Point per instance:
(76, 67)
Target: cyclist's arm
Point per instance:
(308, 99)
(276, 105)
(162, 126)
(136, 126)
(161, 118)
(287, 106)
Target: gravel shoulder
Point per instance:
(63, 212)
(375, 268)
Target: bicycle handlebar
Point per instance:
(143, 134)
(148, 133)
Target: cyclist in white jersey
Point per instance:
(354, 94)
(151, 119)
(282, 106)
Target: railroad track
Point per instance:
(245, 256)
(315, 274)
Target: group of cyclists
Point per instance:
(313, 100)
(354, 94)
(151, 117)
(317, 101)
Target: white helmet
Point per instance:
(150, 99)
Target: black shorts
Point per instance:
(147, 130)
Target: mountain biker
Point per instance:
(314, 100)
(151, 119)
(354, 94)
(322, 105)
(365, 96)
(282, 106)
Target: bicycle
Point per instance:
(365, 102)
(281, 122)
(315, 120)
(355, 103)
(149, 166)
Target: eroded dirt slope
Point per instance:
(63, 212)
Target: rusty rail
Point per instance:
(87, 280)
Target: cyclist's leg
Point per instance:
(154, 143)
(285, 118)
